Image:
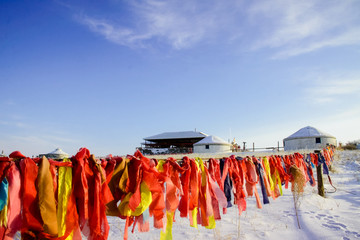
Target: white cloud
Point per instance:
(332, 90)
(58, 139)
(177, 23)
(298, 27)
(289, 27)
(14, 123)
(347, 38)
(343, 124)
(111, 32)
(32, 144)
(48, 140)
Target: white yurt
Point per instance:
(308, 138)
(56, 154)
(212, 144)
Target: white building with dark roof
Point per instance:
(173, 142)
(308, 138)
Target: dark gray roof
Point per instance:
(177, 135)
(308, 132)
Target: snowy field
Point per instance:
(335, 217)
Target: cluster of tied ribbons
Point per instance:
(47, 199)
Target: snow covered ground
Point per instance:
(335, 217)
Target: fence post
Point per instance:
(319, 173)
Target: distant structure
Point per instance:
(171, 142)
(56, 154)
(235, 146)
(212, 144)
(308, 138)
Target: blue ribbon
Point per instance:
(3, 193)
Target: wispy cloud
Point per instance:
(350, 37)
(10, 102)
(14, 123)
(334, 89)
(116, 34)
(342, 124)
(31, 139)
(297, 27)
(290, 28)
(59, 139)
(177, 23)
(33, 144)
(4, 123)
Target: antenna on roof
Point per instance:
(195, 129)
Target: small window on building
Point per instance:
(318, 140)
(206, 146)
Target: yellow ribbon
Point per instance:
(212, 223)
(64, 190)
(4, 214)
(194, 217)
(167, 235)
(146, 200)
(267, 171)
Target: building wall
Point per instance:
(308, 143)
(212, 148)
(53, 156)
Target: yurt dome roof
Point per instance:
(307, 132)
(211, 140)
(58, 153)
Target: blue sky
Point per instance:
(106, 74)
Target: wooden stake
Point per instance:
(320, 181)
